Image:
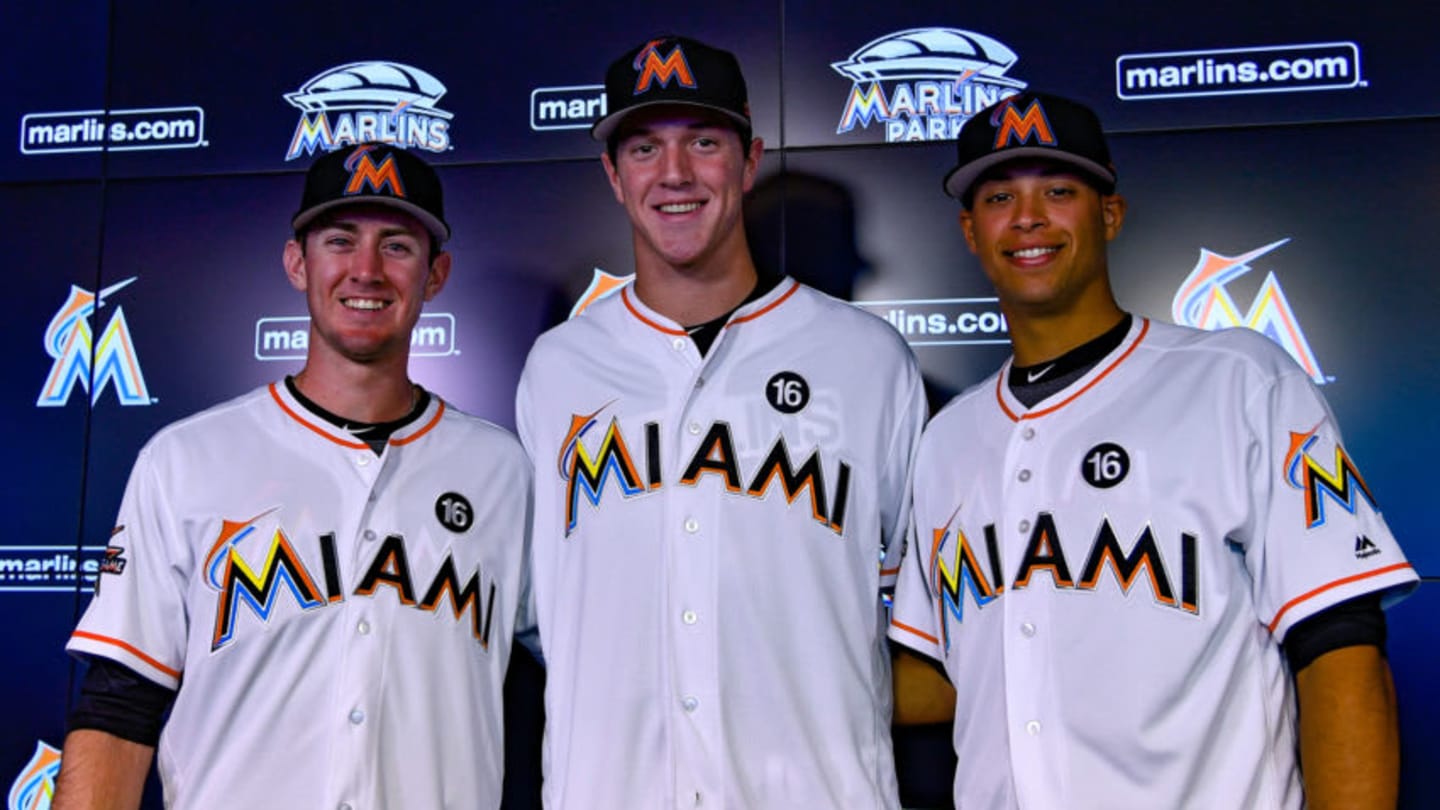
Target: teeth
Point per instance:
(1033, 253)
(364, 303)
(679, 208)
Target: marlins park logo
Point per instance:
(369, 101)
(1203, 302)
(94, 365)
(923, 84)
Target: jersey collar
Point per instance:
(297, 412)
(761, 306)
(1016, 410)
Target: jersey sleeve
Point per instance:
(911, 411)
(138, 616)
(913, 618)
(1319, 537)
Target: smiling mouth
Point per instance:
(1031, 252)
(679, 208)
(364, 303)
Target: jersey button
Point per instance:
(1024, 476)
(357, 717)
(1028, 433)
(363, 628)
(344, 806)
(368, 534)
(1028, 630)
(689, 617)
(690, 704)
(678, 344)
(1032, 728)
(699, 382)
(694, 428)
(1024, 526)
(692, 525)
(363, 460)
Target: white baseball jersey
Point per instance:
(1107, 576)
(708, 548)
(338, 623)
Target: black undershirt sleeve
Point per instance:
(1353, 622)
(118, 700)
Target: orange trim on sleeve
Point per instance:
(885, 572)
(625, 296)
(1000, 381)
(914, 631)
(174, 673)
(794, 285)
(275, 393)
(434, 420)
(1275, 622)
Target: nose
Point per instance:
(677, 170)
(367, 263)
(1029, 211)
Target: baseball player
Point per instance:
(1136, 545)
(722, 459)
(317, 578)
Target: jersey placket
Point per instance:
(1029, 613)
(691, 529)
(362, 673)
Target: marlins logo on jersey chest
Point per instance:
(254, 566)
(599, 460)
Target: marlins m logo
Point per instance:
(653, 68)
(364, 174)
(1305, 473)
(586, 474)
(70, 341)
(1203, 302)
(1013, 127)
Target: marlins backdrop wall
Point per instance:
(1280, 160)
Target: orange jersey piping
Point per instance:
(1000, 382)
(1275, 622)
(174, 673)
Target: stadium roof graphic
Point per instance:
(370, 86)
(927, 53)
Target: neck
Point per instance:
(1037, 338)
(358, 392)
(700, 291)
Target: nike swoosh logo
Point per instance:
(1032, 376)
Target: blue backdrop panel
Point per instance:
(1415, 660)
(1224, 63)
(53, 65)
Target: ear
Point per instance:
(294, 261)
(614, 176)
(1112, 210)
(752, 162)
(967, 227)
(438, 275)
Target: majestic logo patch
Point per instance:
(654, 69)
(1319, 484)
(70, 341)
(1203, 302)
(34, 787)
(1365, 547)
(923, 84)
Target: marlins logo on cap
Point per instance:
(673, 70)
(1031, 125)
(377, 174)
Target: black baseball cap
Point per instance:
(673, 70)
(375, 174)
(1031, 125)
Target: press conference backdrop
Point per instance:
(1290, 150)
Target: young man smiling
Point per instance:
(723, 462)
(317, 579)
(1140, 550)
